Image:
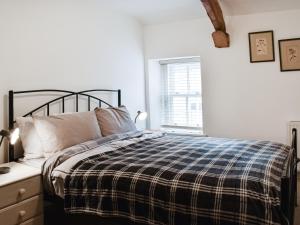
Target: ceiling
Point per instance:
(164, 11)
(158, 11)
(241, 7)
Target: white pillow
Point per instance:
(30, 139)
(65, 130)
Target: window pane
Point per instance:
(195, 112)
(179, 111)
(195, 78)
(177, 79)
(182, 100)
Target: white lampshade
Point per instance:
(14, 136)
(140, 116)
(143, 116)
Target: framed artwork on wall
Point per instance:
(289, 50)
(261, 46)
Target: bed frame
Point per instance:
(288, 181)
(88, 94)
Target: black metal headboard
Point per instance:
(66, 94)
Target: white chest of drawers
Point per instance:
(21, 199)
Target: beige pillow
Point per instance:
(30, 139)
(65, 130)
(114, 120)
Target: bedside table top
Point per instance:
(17, 172)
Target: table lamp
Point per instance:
(141, 116)
(12, 136)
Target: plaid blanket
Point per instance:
(178, 180)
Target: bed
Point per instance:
(153, 178)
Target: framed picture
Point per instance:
(289, 50)
(261, 46)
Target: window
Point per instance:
(181, 95)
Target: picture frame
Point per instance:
(261, 46)
(289, 51)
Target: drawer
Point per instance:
(39, 220)
(22, 211)
(19, 191)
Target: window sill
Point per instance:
(186, 134)
(182, 132)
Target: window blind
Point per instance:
(181, 91)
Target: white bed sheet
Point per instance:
(58, 175)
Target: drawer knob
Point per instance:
(22, 213)
(22, 191)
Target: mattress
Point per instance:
(161, 179)
(57, 167)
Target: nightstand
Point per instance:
(21, 198)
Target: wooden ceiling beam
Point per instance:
(214, 11)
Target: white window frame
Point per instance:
(175, 128)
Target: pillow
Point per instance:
(30, 139)
(114, 120)
(65, 130)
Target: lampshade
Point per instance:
(141, 116)
(14, 136)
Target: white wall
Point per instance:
(240, 99)
(69, 44)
